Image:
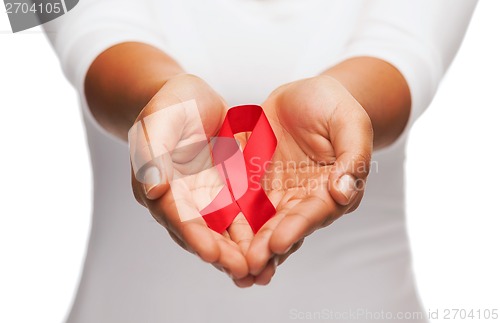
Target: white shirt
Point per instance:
(357, 268)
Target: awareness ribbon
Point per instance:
(242, 182)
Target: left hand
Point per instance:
(319, 169)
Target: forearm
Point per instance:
(122, 80)
(381, 90)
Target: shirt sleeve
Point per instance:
(93, 26)
(418, 37)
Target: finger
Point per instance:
(209, 245)
(351, 135)
(214, 248)
(302, 220)
(199, 239)
(181, 243)
(355, 203)
(153, 184)
(244, 282)
(259, 253)
(230, 258)
(264, 278)
(196, 237)
(296, 246)
(241, 232)
(193, 233)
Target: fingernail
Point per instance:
(347, 186)
(152, 177)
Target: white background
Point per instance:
(45, 180)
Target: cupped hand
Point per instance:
(318, 171)
(316, 175)
(172, 174)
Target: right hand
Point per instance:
(152, 187)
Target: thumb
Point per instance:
(351, 134)
(150, 166)
(155, 183)
(154, 142)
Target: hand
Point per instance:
(173, 153)
(318, 171)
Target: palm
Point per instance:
(194, 182)
(321, 129)
(300, 168)
(294, 177)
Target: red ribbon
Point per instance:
(242, 176)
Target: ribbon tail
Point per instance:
(221, 219)
(219, 214)
(257, 208)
